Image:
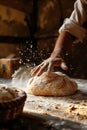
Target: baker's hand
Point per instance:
(48, 65)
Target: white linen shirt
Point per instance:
(77, 23)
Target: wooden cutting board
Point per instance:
(72, 107)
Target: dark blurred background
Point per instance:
(28, 31)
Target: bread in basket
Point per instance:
(11, 102)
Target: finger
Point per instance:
(63, 65)
(36, 69)
(42, 69)
(54, 63)
(34, 72)
(50, 68)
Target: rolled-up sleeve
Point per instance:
(75, 24)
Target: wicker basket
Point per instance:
(11, 109)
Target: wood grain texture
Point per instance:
(25, 7)
(73, 108)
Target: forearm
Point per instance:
(63, 43)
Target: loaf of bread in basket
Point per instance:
(12, 101)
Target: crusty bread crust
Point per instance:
(52, 84)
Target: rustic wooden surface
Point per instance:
(54, 112)
(73, 108)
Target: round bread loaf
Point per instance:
(12, 101)
(52, 84)
(7, 93)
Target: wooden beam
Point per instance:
(12, 39)
(25, 7)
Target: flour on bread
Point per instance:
(51, 84)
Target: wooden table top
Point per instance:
(73, 108)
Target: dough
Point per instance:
(6, 93)
(52, 84)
